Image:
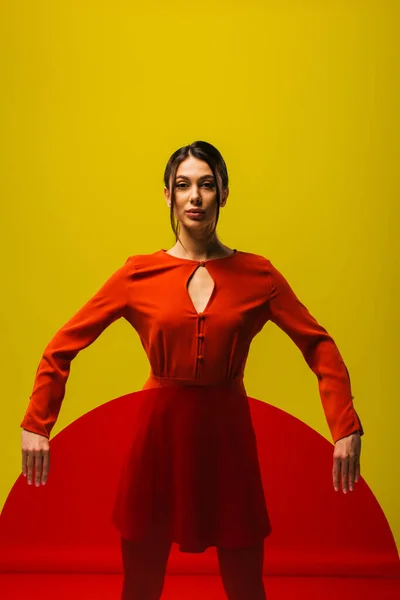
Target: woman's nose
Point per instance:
(195, 197)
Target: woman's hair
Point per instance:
(209, 154)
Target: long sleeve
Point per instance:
(320, 353)
(106, 306)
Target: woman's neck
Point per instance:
(198, 248)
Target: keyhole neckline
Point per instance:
(199, 262)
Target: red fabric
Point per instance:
(150, 292)
(192, 468)
(193, 471)
(66, 526)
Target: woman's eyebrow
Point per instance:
(200, 178)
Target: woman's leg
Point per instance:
(241, 572)
(144, 564)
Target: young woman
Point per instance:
(192, 473)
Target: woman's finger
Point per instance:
(24, 453)
(345, 473)
(29, 463)
(352, 471)
(358, 469)
(38, 467)
(336, 473)
(46, 466)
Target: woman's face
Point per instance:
(195, 194)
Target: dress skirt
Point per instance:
(191, 471)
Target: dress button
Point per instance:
(200, 357)
(200, 315)
(202, 263)
(200, 335)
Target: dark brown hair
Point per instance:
(209, 154)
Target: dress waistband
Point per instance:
(235, 383)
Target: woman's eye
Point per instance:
(208, 184)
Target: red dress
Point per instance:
(192, 468)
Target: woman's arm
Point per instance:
(106, 306)
(320, 353)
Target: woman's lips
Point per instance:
(195, 215)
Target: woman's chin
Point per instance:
(195, 223)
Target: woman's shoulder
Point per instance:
(144, 258)
(147, 262)
(254, 259)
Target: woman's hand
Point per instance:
(346, 462)
(35, 453)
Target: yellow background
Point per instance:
(302, 101)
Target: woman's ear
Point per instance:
(224, 197)
(166, 194)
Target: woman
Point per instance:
(192, 474)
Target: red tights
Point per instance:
(145, 566)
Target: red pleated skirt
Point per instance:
(191, 470)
